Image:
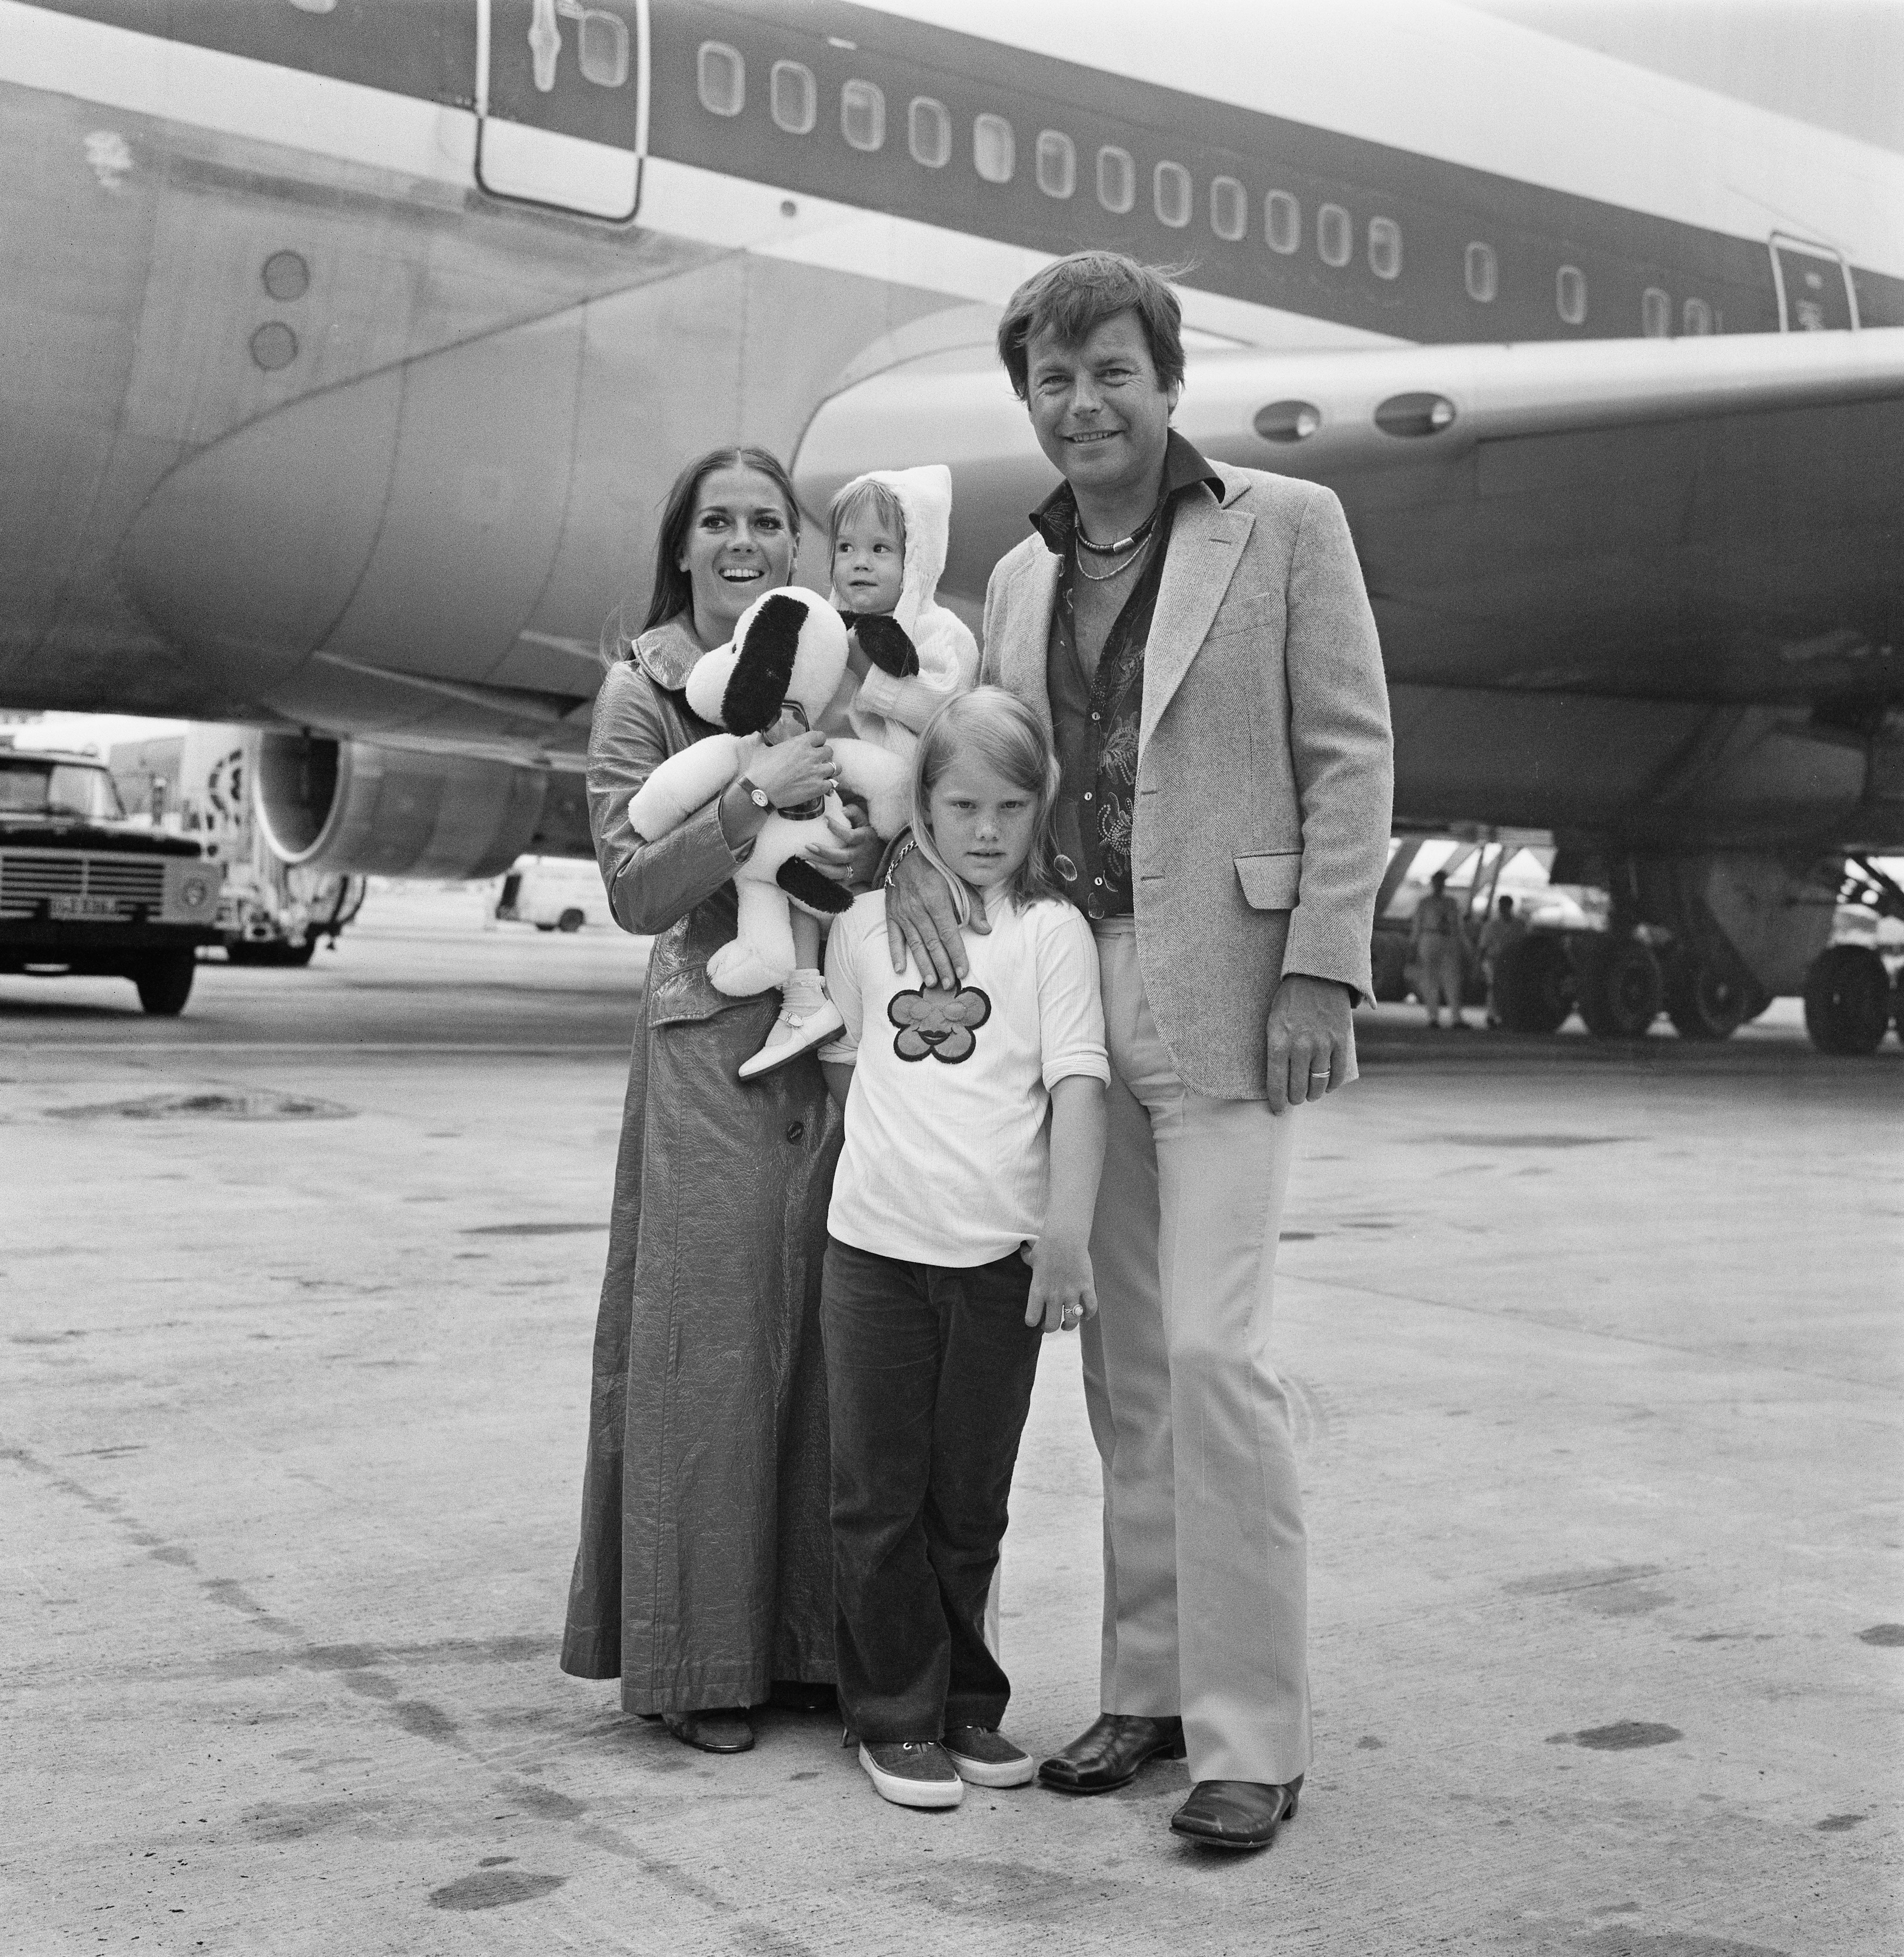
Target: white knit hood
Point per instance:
(925, 497)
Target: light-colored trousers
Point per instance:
(1442, 976)
(1206, 1597)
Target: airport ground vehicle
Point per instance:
(1585, 951)
(199, 783)
(84, 891)
(553, 893)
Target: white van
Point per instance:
(553, 893)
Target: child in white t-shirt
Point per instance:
(958, 1234)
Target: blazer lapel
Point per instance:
(1026, 633)
(1207, 541)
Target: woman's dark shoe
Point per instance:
(726, 1729)
(1107, 1754)
(1236, 1813)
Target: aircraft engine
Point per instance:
(368, 810)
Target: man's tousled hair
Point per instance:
(1072, 297)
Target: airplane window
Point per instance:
(1697, 317)
(929, 133)
(993, 154)
(1057, 163)
(722, 77)
(1335, 235)
(1570, 295)
(602, 48)
(1171, 192)
(1229, 208)
(1117, 179)
(862, 115)
(1484, 274)
(1656, 314)
(793, 96)
(1282, 222)
(1384, 248)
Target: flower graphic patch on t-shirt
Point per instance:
(932, 1020)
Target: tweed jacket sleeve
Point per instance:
(1341, 750)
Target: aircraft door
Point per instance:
(562, 103)
(1815, 292)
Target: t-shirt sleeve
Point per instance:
(842, 986)
(1071, 1014)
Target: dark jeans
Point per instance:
(929, 1381)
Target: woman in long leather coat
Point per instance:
(704, 1576)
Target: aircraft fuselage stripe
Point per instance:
(426, 49)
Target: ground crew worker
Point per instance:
(1438, 944)
(1503, 929)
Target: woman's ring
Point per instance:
(1323, 1075)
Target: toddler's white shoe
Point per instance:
(795, 1032)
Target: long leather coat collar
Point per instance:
(667, 653)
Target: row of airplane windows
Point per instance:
(793, 101)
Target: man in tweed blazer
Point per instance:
(1198, 641)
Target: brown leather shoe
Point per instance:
(724, 1729)
(1236, 1813)
(1107, 1754)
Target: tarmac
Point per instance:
(1594, 1353)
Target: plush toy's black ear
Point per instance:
(757, 687)
(886, 643)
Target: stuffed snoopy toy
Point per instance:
(778, 673)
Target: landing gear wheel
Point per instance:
(569, 920)
(164, 980)
(1707, 1001)
(1534, 986)
(1847, 1000)
(1621, 988)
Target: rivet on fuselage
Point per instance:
(287, 276)
(273, 345)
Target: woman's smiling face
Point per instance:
(740, 543)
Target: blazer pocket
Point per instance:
(1270, 880)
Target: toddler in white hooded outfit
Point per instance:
(887, 533)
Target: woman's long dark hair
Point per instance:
(674, 591)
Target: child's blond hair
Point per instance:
(862, 494)
(1011, 741)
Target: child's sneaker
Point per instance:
(983, 1755)
(912, 1773)
(808, 1018)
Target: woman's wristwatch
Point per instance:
(758, 796)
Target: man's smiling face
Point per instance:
(1100, 413)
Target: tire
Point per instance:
(1706, 1000)
(1621, 988)
(1847, 1000)
(544, 927)
(1534, 985)
(571, 920)
(164, 980)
